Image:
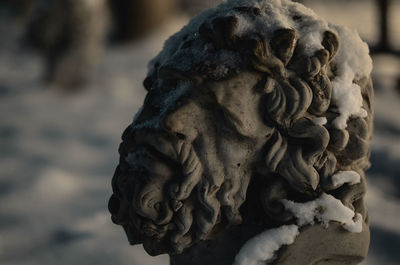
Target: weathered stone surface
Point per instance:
(209, 158)
(317, 245)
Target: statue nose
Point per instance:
(184, 121)
(174, 122)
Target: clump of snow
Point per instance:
(321, 121)
(353, 51)
(262, 247)
(346, 95)
(312, 42)
(324, 209)
(243, 25)
(353, 62)
(343, 177)
(356, 226)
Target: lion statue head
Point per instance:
(241, 112)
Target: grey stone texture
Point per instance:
(205, 163)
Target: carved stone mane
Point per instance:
(230, 127)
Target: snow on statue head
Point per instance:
(252, 104)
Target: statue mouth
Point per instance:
(151, 231)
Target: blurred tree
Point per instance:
(70, 35)
(383, 6)
(196, 6)
(20, 8)
(384, 46)
(135, 18)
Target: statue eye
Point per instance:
(180, 136)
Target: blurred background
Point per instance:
(71, 77)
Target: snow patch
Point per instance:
(343, 177)
(312, 42)
(353, 51)
(356, 226)
(243, 26)
(324, 209)
(321, 121)
(353, 63)
(262, 247)
(346, 95)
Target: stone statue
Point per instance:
(252, 142)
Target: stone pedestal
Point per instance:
(315, 245)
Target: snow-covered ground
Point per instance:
(58, 152)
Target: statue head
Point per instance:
(243, 110)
